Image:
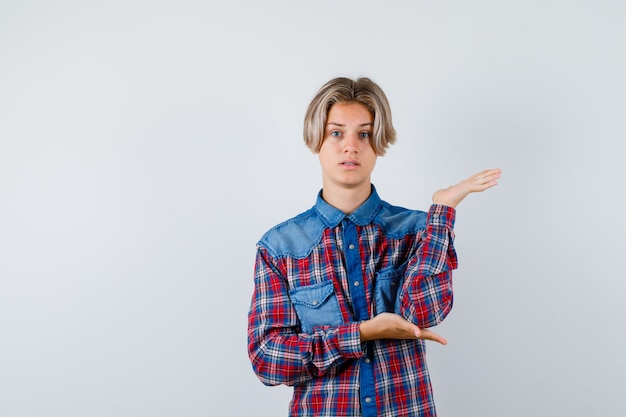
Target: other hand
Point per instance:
(393, 326)
(477, 183)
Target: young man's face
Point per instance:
(346, 155)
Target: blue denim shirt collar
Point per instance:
(363, 215)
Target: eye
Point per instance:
(335, 133)
(364, 135)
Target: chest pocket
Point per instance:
(386, 288)
(316, 305)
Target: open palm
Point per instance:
(479, 182)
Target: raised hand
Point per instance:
(477, 183)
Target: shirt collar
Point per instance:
(363, 215)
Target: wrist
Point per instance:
(365, 331)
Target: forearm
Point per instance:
(428, 301)
(425, 297)
(290, 358)
(278, 349)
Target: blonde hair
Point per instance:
(345, 90)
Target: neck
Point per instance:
(346, 199)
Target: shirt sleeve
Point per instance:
(426, 294)
(278, 352)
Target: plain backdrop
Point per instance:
(145, 147)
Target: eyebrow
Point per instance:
(342, 125)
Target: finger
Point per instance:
(430, 335)
(490, 171)
(489, 175)
(486, 180)
(488, 183)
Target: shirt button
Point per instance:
(315, 302)
(367, 360)
(368, 400)
(356, 283)
(351, 246)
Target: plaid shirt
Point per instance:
(318, 275)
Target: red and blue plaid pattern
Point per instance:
(332, 372)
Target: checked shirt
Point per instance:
(321, 273)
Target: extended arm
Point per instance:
(426, 295)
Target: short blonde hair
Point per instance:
(345, 90)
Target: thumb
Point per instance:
(416, 331)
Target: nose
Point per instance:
(351, 143)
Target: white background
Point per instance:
(145, 146)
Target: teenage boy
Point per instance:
(345, 293)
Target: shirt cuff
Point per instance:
(440, 215)
(350, 341)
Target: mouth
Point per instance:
(350, 164)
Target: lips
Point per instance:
(350, 163)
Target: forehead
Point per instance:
(349, 112)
